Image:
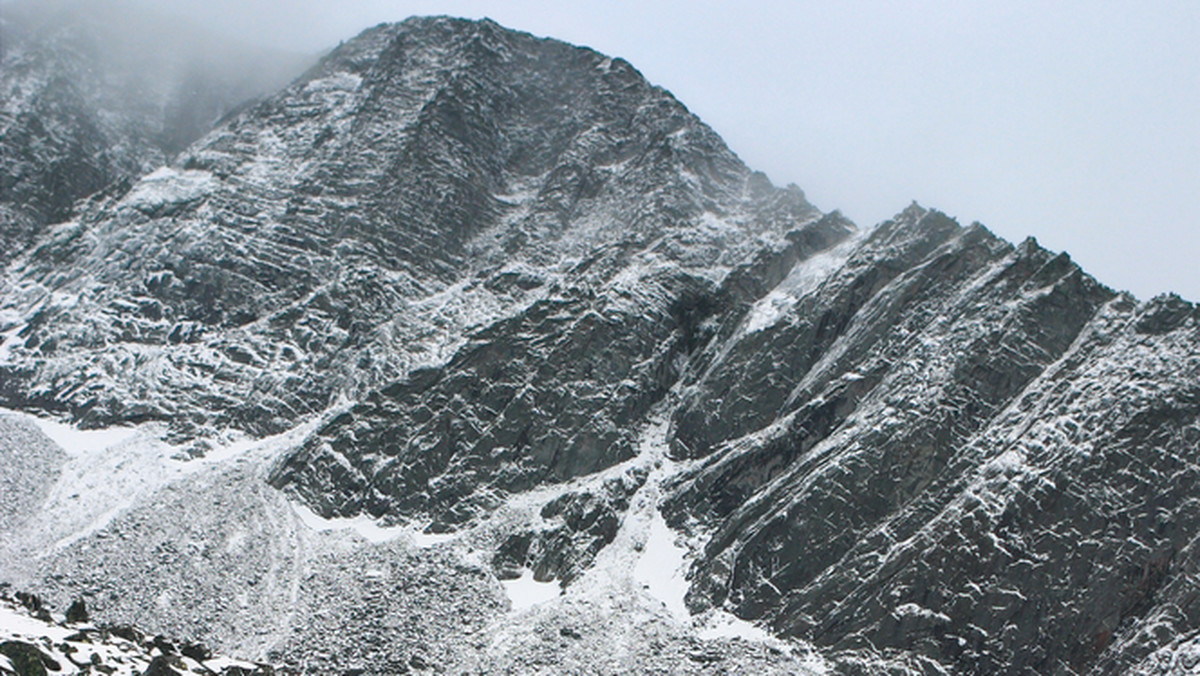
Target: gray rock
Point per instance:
(95, 97)
(920, 448)
(29, 465)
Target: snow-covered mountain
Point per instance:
(424, 180)
(470, 351)
(94, 94)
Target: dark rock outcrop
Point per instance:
(77, 612)
(26, 659)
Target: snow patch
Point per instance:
(362, 524)
(712, 222)
(337, 82)
(426, 540)
(17, 624)
(1010, 461)
(767, 311)
(662, 568)
(517, 196)
(914, 610)
(369, 529)
(78, 442)
(239, 443)
(525, 592)
(167, 185)
(803, 279)
(720, 624)
(220, 663)
(8, 339)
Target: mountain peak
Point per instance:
(412, 158)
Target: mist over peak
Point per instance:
(101, 92)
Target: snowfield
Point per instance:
(203, 549)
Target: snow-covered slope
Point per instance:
(425, 179)
(475, 352)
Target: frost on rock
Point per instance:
(473, 352)
(169, 188)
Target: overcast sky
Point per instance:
(1075, 122)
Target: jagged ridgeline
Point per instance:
(492, 273)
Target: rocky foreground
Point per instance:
(36, 642)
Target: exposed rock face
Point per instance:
(560, 391)
(965, 451)
(589, 521)
(97, 94)
(425, 178)
(531, 294)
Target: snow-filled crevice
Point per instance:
(644, 570)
